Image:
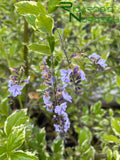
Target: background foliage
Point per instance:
(28, 33)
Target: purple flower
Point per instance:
(98, 60)
(66, 96)
(15, 90)
(44, 59)
(75, 70)
(62, 88)
(61, 109)
(65, 75)
(62, 123)
(52, 79)
(102, 63)
(58, 128)
(46, 99)
(67, 125)
(26, 80)
(49, 106)
(82, 75)
(10, 83)
(93, 56)
(66, 122)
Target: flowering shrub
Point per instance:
(58, 102)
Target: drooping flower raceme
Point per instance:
(61, 120)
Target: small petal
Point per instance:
(66, 96)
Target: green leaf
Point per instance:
(30, 7)
(84, 136)
(16, 138)
(95, 108)
(44, 23)
(53, 5)
(12, 49)
(116, 155)
(118, 80)
(118, 100)
(57, 145)
(41, 88)
(48, 60)
(40, 48)
(2, 120)
(115, 126)
(2, 150)
(109, 154)
(109, 98)
(51, 41)
(105, 55)
(31, 20)
(4, 157)
(111, 138)
(14, 120)
(22, 156)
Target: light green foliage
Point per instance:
(14, 120)
(115, 123)
(31, 20)
(30, 7)
(40, 48)
(51, 41)
(95, 123)
(118, 80)
(22, 155)
(13, 136)
(16, 138)
(44, 23)
(53, 5)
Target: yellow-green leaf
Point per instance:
(44, 23)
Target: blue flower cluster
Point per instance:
(62, 123)
(98, 60)
(15, 84)
(61, 120)
(58, 105)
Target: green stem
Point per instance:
(25, 47)
(26, 54)
(19, 98)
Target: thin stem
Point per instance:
(69, 63)
(54, 80)
(25, 52)
(25, 47)
(64, 49)
(19, 98)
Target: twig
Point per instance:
(64, 48)
(69, 63)
(99, 156)
(26, 54)
(54, 81)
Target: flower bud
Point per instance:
(22, 69)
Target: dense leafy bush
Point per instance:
(60, 80)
